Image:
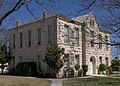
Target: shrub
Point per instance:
(43, 75)
(85, 69)
(12, 71)
(80, 73)
(77, 66)
(26, 69)
(102, 67)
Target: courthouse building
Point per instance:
(82, 39)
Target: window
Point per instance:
(14, 41)
(66, 34)
(13, 61)
(92, 38)
(39, 62)
(29, 38)
(20, 58)
(39, 36)
(76, 36)
(77, 59)
(100, 41)
(100, 60)
(49, 35)
(21, 39)
(106, 59)
(92, 23)
(106, 42)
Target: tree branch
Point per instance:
(30, 11)
(10, 11)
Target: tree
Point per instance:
(116, 65)
(102, 67)
(7, 7)
(109, 18)
(4, 56)
(55, 57)
(85, 69)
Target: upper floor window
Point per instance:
(106, 60)
(100, 41)
(106, 42)
(14, 41)
(91, 23)
(92, 38)
(100, 59)
(20, 58)
(66, 34)
(29, 38)
(77, 59)
(76, 36)
(49, 35)
(39, 36)
(21, 39)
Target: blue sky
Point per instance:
(64, 7)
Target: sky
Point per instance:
(64, 7)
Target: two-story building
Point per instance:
(82, 39)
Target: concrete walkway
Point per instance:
(57, 82)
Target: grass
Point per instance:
(22, 81)
(94, 81)
(115, 75)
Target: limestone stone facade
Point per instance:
(82, 39)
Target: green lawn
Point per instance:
(115, 75)
(95, 81)
(22, 81)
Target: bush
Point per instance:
(12, 71)
(43, 75)
(80, 73)
(102, 67)
(26, 69)
(85, 69)
(77, 66)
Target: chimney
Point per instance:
(17, 23)
(45, 14)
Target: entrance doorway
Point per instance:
(92, 66)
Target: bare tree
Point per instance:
(110, 20)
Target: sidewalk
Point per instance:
(57, 82)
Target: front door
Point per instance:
(91, 68)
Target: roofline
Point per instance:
(98, 24)
(53, 15)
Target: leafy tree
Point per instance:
(4, 57)
(85, 69)
(55, 57)
(116, 65)
(102, 67)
